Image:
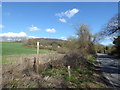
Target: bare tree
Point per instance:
(85, 40)
(112, 27)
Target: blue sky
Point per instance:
(55, 20)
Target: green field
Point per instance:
(13, 49)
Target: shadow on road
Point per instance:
(110, 66)
(111, 70)
(105, 56)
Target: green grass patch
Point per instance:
(13, 48)
(9, 59)
(90, 62)
(78, 76)
(54, 72)
(31, 85)
(14, 83)
(11, 51)
(6, 62)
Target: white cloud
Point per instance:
(62, 20)
(2, 26)
(16, 35)
(68, 13)
(44, 37)
(13, 35)
(64, 38)
(114, 23)
(75, 36)
(52, 30)
(34, 28)
(32, 37)
(107, 42)
(111, 37)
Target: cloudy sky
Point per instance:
(54, 20)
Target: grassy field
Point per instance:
(10, 49)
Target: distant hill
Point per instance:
(47, 39)
(44, 42)
(20, 40)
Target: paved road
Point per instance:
(110, 68)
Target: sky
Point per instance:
(54, 19)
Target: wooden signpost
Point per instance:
(37, 62)
(38, 44)
(69, 73)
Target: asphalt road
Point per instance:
(110, 68)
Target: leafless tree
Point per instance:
(112, 27)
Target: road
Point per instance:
(110, 68)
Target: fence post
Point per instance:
(37, 61)
(34, 64)
(69, 73)
(38, 48)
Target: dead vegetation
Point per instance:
(52, 73)
(23, 71)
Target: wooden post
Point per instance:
(34, 64)
(37, 62)
(38, 48)
(69, 73)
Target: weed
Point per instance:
(14, 83)
(90, 62)
(54, 72)
(31, 85)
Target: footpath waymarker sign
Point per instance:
(37, 62)
(38, 44)
(69, 73)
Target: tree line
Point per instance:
(85, 43)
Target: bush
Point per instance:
(117, 46)
(83, 44)
(62, 50)
(90, 62)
